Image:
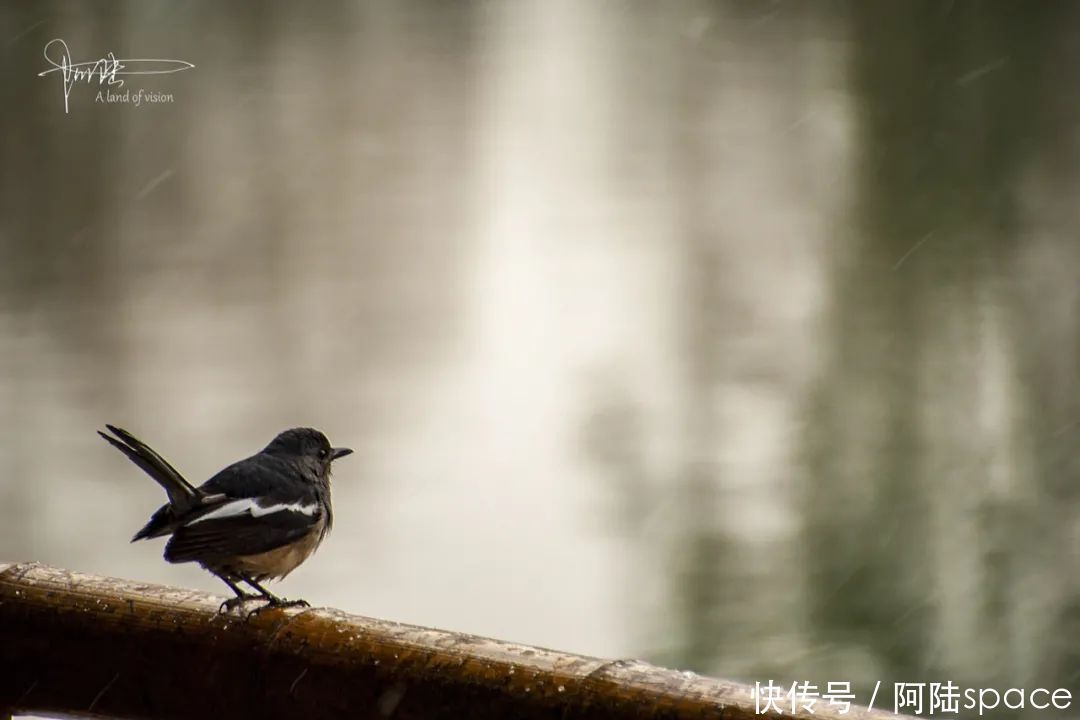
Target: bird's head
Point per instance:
(307, 447)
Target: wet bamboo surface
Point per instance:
(79, 645)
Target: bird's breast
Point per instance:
(279, 562)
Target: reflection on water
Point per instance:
(737, 337)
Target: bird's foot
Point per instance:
(276, 602)
(283, 603)
(235, 602)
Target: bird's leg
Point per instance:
(241, 596)
(272, 599)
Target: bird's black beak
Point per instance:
(337, 453)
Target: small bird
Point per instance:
(257, 519)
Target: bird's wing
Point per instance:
(242, 526)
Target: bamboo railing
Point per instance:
(78, 645)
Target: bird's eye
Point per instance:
(323, 453)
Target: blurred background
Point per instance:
(739, 337)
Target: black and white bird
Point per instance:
(257, 519)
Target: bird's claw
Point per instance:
(282, 603)
(235, 602)
(276, 602)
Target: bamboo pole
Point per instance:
(78, 645)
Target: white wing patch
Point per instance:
(250, 506)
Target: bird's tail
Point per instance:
(182, 495)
